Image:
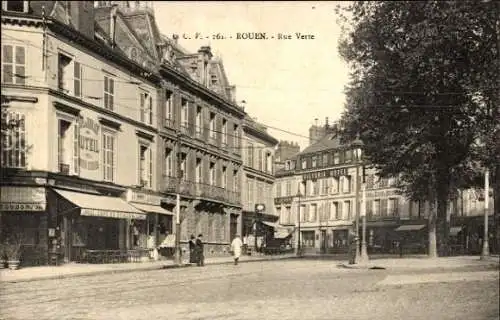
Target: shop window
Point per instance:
(308, 239)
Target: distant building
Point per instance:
(258, 178)
(324, 181)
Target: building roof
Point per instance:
(328, 142)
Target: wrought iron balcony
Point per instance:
(202, 190)
(64, 168)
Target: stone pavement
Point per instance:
(80, 269)
(423, 262)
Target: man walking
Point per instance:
(236, 245)
(200, 257)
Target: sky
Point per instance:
(286, 83)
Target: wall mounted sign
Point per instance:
(89, 144)
(283, 200)
(325, 174)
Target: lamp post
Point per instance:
(486, 249)
(299, 240)
(363, 256)
(177, 252)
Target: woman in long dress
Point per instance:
(236, 245)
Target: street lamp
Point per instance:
(299, 245)
(363, 257)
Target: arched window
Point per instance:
(134, 54)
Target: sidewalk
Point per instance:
(79, 270)
(423, 262)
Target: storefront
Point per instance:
(158, 226)
(22, 212)
(89, 225)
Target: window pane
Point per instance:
(7, 54)
(7, 73)
(111, 86)
(20, 75)
(20, 55)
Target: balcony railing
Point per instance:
(202, 190)
(64, 168)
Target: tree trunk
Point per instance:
(442, 221)
(432, 250)
(496, 209)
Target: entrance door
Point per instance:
(233, 225)
(323, 241)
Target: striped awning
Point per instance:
(152, 209)
(94, 205)
(410, 227)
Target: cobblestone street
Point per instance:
(267, 290)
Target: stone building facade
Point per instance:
(115, 120)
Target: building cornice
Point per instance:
(199, 90)
(260, 134)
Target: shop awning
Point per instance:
(410, 227)
(282, 233)
(454, 231)
(270, 224)
(151, 208)
(168, 242)
(102, 206)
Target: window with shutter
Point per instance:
(383, 207)
(77, 79)
(369, 208)
(76, 148)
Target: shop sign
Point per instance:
(139, 197)
(22, 206)
(380, 194)
(325, 174)
(283, 200)
(89, 144)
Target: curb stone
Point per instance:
(145, 268)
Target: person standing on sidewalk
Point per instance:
(236, 245)
(200, 257)
(192, 249)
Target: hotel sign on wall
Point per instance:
(89, 144)
(325, 174)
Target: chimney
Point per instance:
(112, 25)
(80, 13)
(316, 121)
(175, 37)
(326, 122)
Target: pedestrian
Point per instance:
(200, 257)
(192, 249)
(236, 245)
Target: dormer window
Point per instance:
(15, 6)
(213, 79)
(134, 54)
